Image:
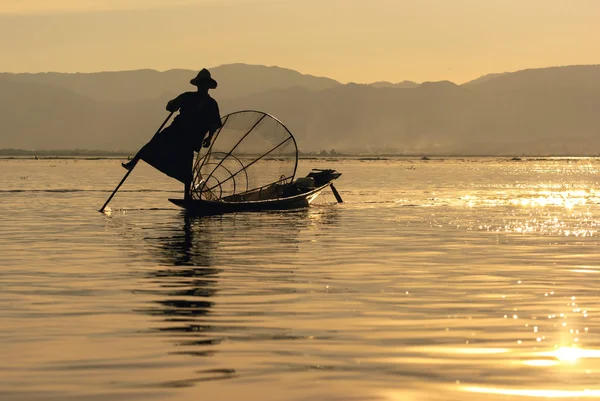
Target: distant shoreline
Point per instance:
(103, 154)
(69, 153)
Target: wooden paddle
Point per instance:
(336, 194)
(129, 172)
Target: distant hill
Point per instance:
(584, 78)
(130, 86)
(530, 112)
(237, 80)
(422, 119)
(485, 78)
(530, 116)
(403, 84)
(122, 86)
(40, 116)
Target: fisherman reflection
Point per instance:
(186, 288)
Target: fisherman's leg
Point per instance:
(187, 190)
(131, 163)
(154, 142)
(187, 194)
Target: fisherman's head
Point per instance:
(203, 81)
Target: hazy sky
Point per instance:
(348, 40)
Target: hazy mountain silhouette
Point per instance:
(129, 86)
(543, 111)
(403, 84)
(485, 78)
(581, 77)
(39, 116)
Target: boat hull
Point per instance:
(198, 207)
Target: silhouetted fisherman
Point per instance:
(172, 150)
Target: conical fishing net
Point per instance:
(252, 152)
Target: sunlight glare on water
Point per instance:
(443, 279)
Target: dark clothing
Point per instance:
(198, 114)
(171, 151)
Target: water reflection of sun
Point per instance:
(562, 356)
(568, 355)
(548, 211)
(573, 354)
(535, 393)
(566, 199)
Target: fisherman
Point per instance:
(172, 150)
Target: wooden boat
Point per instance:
(251, 166)
(277, 197)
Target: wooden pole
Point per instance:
(129, 172)
(114, 192)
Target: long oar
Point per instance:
(336, 194)
(129, 172)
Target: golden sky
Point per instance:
(348, 40)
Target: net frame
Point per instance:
(202, 190)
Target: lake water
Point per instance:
(448, 279)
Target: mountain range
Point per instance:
(549, 111)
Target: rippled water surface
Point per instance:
(447, 279)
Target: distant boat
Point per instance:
(251, 166)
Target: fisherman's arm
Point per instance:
(214, 127)
(175, 104)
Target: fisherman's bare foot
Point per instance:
(129, 165)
